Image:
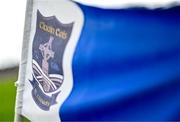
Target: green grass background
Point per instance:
(7, 98)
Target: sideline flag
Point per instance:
(86, 63)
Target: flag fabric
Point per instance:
(85, 63)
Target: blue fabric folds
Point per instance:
(126, 66)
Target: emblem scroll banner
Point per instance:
(42, 100)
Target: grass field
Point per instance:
(8, 94)
(7, 98)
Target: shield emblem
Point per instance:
(49, 43)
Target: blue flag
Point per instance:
(88, 63)
(126, 66)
